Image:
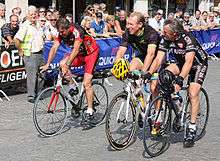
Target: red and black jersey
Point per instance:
(76, 32)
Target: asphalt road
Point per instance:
(19, 140)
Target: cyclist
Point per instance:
(142, 38)
(187, 58)
(85, 52)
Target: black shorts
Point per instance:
(197, 74)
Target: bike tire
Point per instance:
(100, 102)
(121, 142)
(156, 144)
(47, 122)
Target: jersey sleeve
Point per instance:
(163, 45)
(154, 38)
(190, 44)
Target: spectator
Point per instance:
(98, 24)
(170, 16)
(216, 14)
(186, 22)
(51, 31)
(16, 11)
(178, 15)
(42, 22)
(157, 21)
(69, 17)
(146, 16)
(2, 14)
(42, 12)
(9, 30)
(110, 26)
(204, 20)
(117, 12)
(211, 21)
(121, 21)
(89, 11)
(86, 24)
(57, 14)
(196, 22)
(48, 15)
(29, 41)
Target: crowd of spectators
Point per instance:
(99, 23)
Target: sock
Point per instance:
(89, 111)
(192, 126)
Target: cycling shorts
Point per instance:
(197, 74)
(89, 61)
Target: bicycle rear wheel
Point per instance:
(156, 131)
(49, 112)
(100, 102)
(119, 129)
(203, 114)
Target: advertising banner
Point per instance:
(107, 51)
(209, 40)
(11, 67)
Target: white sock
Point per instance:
(89, 111)
(192, 126)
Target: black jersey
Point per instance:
(184, 44)
(140, 42)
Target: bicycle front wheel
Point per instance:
(49, 112)
(157, 126)
(203, 114)
(100, 102)
(120, 122)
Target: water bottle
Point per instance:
(177, 102)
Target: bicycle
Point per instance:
(156, 138)
(123, 109)
(51, 107)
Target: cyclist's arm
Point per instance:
(189, 58)
(120, 53)
(52, 52)
(149, 56)
(157, 61)
(75, 51)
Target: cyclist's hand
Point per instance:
(44, 68)
(177, 87)
(146, 77)
(65, 69)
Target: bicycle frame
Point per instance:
(59, 88)
(129, 88)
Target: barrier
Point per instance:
(12, 72)
(209, 40)
(108, 49)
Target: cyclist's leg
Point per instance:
(90, 62)
(194, 90)
(196, 79)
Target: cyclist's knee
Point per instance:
(194, 90)
(87, 81)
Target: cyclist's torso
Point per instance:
(76, 32)
(141, 41)
(184, 44)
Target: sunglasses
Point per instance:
(53, 19)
